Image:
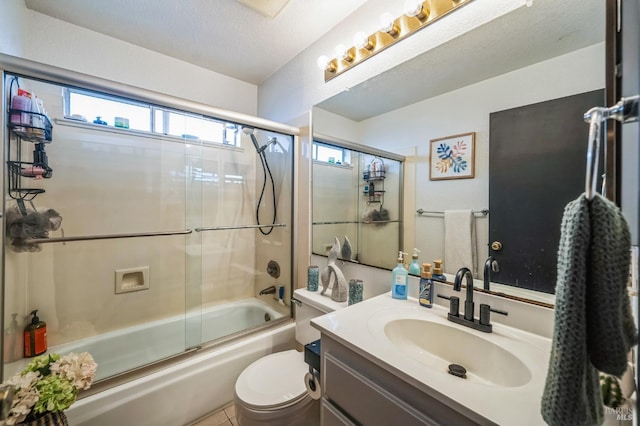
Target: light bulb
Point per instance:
(412, 8)
(386, 24)
(361, 41)
(342, 53)
(323, 62)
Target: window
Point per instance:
(148, 118)
(92, 106)
(330, 154)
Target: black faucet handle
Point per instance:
(454, 306)
(485, 313)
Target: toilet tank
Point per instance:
(311, 305)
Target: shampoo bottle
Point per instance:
(399, 279)
(414, 268)
(35, 337)
(426, 287)
(437, 271)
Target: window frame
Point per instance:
(153, 109)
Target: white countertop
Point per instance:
(360, 327)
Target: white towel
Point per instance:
(459, 241)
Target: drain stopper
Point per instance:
(458, 370)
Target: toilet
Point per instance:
(272, 391)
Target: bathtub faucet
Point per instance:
(268, 290)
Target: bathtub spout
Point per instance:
(268, 290)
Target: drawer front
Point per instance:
(331, 416)
(365, 401)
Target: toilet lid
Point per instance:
(274, 380)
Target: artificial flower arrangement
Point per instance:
(49, 384)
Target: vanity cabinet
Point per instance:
(357, 391)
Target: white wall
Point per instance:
(13, 18)
(51, 41)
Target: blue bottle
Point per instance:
(399, 279)
(426, 287)
(414, 268)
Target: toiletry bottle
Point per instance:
(437, 271)
(35, 336)
(426, 287)
(10, 340)
(414, 268)
(399, 279)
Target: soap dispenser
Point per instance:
(414, 268)
(437, 271)
(426, 287)
(35, 336)
(399, 279)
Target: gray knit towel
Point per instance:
(593, 323)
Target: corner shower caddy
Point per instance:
(374, 177)
(24, 130)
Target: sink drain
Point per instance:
(458, 370)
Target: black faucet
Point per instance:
(457, 283)
(268, 290)
(491, 264)
(481, 324)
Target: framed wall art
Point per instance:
(453, 157)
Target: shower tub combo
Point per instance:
(187, 389)
(229, 201)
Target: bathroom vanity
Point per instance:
(385, 361)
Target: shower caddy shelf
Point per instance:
(374, 178)
(19, 169)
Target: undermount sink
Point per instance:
(437, 345)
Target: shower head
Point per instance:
(272, 140)
(249, 131)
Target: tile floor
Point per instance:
(224, 417)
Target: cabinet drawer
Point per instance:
(365, 401)
(331, 416)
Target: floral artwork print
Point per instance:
(452, 157)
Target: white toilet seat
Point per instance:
(273, 382)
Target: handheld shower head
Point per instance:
(249, 131)
(272, 140)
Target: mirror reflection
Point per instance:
(454, 89)
(356, 198)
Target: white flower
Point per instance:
(25, 397)
(79, 369)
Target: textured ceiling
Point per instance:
(523, 37)
(224, 36)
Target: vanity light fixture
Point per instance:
(388, 25)
(363, 41)
(417, 15)
(414, 8)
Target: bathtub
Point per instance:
(187, 389)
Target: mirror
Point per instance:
(530, 55)
(356, 198)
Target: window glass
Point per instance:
(92, 107)
(329, 154)
(104, 108)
